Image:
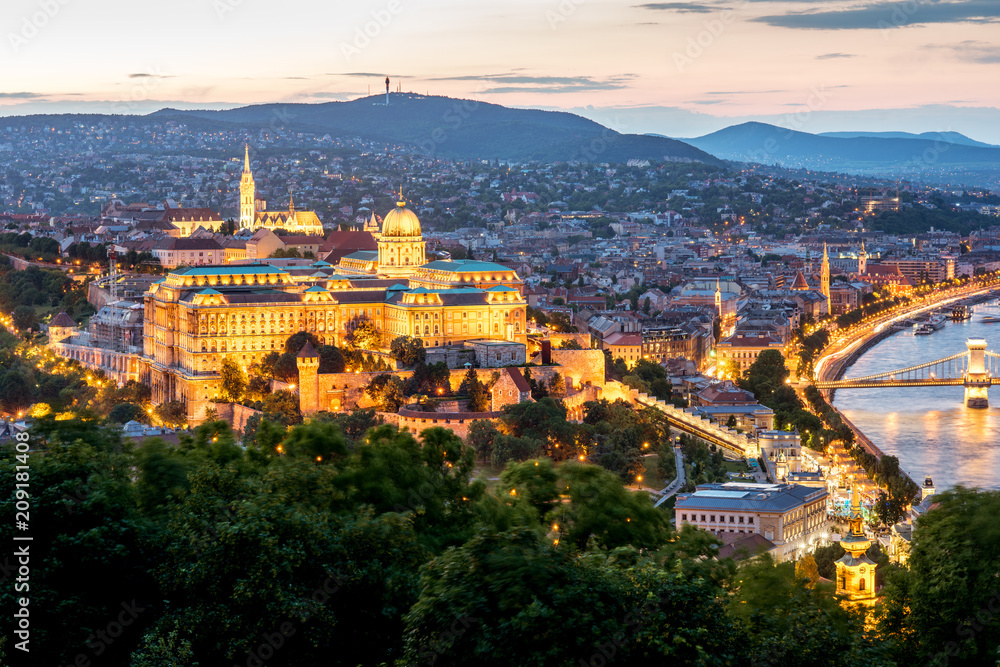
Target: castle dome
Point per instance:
(401, 222)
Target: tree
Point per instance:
(508, 448)
(791, 620)
(126, 412)
(295, 342)
(534, 602)
(479, 397)
(282, 407)
(331, 359)
(570, 344)
(387, 392)
(92, 548)
(364, 334)
(171, 413)
(482, 435)
(258, 387)
(407, 350)
(15, 392)
(234, 380)
(942, 608)
(24, 318)
(354, 424)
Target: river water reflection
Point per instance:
(929, 428)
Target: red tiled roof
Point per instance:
(623, 339)
(62, 320)
(519, 381)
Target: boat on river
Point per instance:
(929, 327)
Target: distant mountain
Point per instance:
(949, 137)
(460, 129)
(908, 157)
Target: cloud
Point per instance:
(974, 51)
(20, 96)
(329, 96)
(745, 92)
(832, 56)
(523, 83)
(881, 15)
(680, 7)
(147, 75)
(364, 75)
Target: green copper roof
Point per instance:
(445, 290)
(209, 292)
(501, 288)
(229, 269)
(363, 255)
(316, 288)
(465, 266)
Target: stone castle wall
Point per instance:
(234, 414)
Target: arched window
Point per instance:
(427, 330)
(861, 584)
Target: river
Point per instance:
(929, 428)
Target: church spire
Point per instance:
(248, 193)
(825, 277)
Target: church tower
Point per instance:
(855, 570)
(862, 260)
(248, 195)
(825, 278)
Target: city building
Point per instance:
(662, 343)
(737, 353)
(252, 215)
(627, 347)
(923, 269)
(792, 517)
(199, 315)
(173, 252)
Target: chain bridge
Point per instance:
(976, 370)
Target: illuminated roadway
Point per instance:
(840, 349)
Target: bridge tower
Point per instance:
(977, 380)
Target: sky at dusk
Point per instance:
(678, 68)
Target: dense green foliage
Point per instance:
(767, 380)
(311, 547)
(34, 295)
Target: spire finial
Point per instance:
(246, 157)
(400, 203)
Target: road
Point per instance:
(842, 347)
(678, 482)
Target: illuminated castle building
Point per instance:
(292, 220)
(197, 316)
